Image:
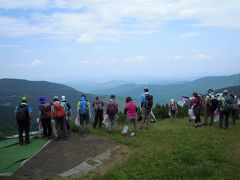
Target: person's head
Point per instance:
(112, 96)
(64, 99)
(225, 92)
(146, 89)
(128, 99)
(55, 98)
(194, 94)
(42, 100)
(211, 92)
(24, 99)
(97, 98)
(172, 100)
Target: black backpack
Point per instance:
(149, 102)
(214, 104)
(22, 114)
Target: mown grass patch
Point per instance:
(177, 150)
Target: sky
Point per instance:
(101, 40)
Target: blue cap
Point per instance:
(42, 100)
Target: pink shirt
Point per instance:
(131, 109)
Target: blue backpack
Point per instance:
(83, 107)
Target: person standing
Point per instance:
(209, 112)
(98, 112)
(83, 111)
(23, 114)
(195, 104)
(45, 117)
(146, 105)
(130, 110)
(112, 112)
(172, 109)
(68, 110)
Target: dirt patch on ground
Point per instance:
(60, 156)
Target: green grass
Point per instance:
(177, 150)
(12, 154)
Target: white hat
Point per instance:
(64, 98)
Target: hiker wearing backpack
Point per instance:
(146, 100)
(98, 112)
(235, 109)
(23, 114)
(68, 110)
(130, 110)
(112, 112)
(59, 116)
(226, 106)
(196, 104)
(209, 107)
(172, 109)
(45, 117)
(83, 113)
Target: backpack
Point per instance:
(59, 111)
(112, 108)
(83, 107)
(200, 101)
(172, 106)
(22, 113)
(148, 102)
(229, 103)
(97, 105)
(214, 104)
(45, 111)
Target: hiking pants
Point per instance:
(173, 114)
(234, 115)
(197, 114)
(47, 127)
(61, 126)
(112, 122)
(224, 116)
(132, 124)
(209, 113)
(146, 117)
(23, 126)
(98, 119)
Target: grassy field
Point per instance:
(177, 150)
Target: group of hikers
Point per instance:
(55, 116)
(218, 107)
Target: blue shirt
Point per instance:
(29, 108)
(143, 97)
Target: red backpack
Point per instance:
(59, 111)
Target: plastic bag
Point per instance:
(106, 120)
(54, 128)
(77, 122)
(191, 114)
(216, 116)
(125, 130)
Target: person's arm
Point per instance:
(30, 113)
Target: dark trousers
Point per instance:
(224, 116)
(61, 126)
(234, 115)
(98, 119)
(197, 114)
(23, 127)
(47, 127)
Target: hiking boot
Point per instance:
(27, 143)
(195, 125)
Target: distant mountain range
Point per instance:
(162, 93)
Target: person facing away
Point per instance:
(59, 115)
(209, 112)
(83, 113)
(130, 110)
(44, 112)
(23, 115)
(68, 110)
(195, 104)
(98, 106)
(172, 108)
(146, 105)
(112, 112)
(226, 106)
(235, 109)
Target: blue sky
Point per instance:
(65, 40)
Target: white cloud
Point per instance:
(135, 59)
(203, 56)
(87, 21)
(34, 63)
(174, 57)
(9, 46)
(188, 35)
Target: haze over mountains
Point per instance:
(11, 91)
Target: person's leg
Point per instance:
(227, 114)
(81, 125)
(64, 128)
(58, 128)
(100, 120)
(27, 130)
(20, 132)
(95, 120)
(44, 125)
